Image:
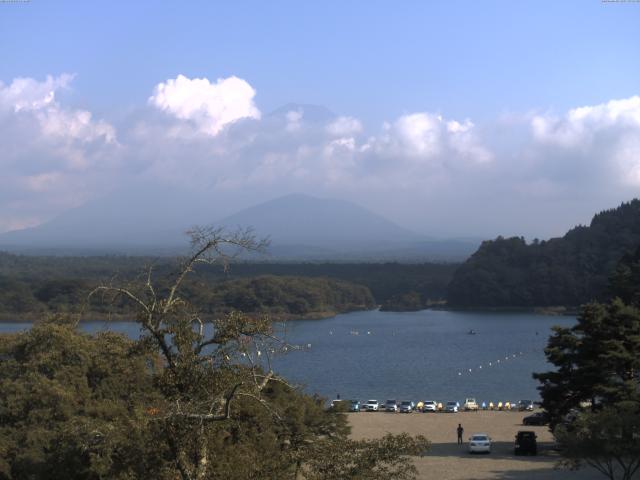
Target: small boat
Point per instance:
(471, 332)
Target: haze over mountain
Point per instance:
(299, 226)
(307, 220)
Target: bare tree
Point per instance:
(209, 363)
(216, 373)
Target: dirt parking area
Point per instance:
(449, 461)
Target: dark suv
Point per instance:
(526, 443)
(538, 418)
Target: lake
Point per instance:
(415, 355)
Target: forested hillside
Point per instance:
(287, 297)
(31, 286)
(569, 271)
(280, 297)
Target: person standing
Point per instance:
(460, 431)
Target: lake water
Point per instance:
(415, 355)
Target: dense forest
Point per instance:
(32, 286)
(567, 271)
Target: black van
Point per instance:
(526, 443)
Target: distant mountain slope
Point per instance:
(151, 220)
(129, 218)
(572, 270)
(299, 220)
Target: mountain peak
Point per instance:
(330, 223)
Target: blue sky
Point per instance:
(371, 59)
(400, 72)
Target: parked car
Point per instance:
(538, 418)
(355, 406)
(525, 405)
(391, 406)
(470, 404)
(429, 406)
(479, 442)
(526, 443)
(371, 406)
(452, 407)
(406, 406)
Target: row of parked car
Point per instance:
(426, 406)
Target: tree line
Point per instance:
(32, 286)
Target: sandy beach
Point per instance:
(448, 461)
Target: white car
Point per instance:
(480, 443)
(452, 407)
(371, 406)
(470, 404)
(429, 406)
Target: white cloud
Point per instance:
(578, 125)
(344, 127)
(294, 120)
(604, 136)
(54, 157)
(210, 106)
(29, 94)
(420, 133)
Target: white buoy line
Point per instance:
(497, 362)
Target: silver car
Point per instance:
(391, 406)
(452, 407)
(407, 406)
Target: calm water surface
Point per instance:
(416, 355)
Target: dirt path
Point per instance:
(448, 461)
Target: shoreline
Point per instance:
(34, 317)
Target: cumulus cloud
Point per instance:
(29, 94)
(210, 106)
(604, 136)
(428, 138)
(344, 127)
(52, 155)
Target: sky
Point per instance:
(458, 118)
